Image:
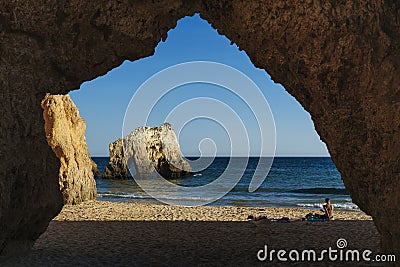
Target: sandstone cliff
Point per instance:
(149, 149)
(65, 131)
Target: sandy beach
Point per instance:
(99, 233)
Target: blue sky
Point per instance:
(104, 101)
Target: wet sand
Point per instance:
(99, 233)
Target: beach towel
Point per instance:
(316, 218)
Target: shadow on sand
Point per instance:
(190, 243)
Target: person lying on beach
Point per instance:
(264, 217)
(328, 209)
(257, 218)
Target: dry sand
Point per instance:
(100, 233)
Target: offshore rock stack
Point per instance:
(149, 149)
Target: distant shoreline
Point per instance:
(292, 182)
(313, 208)
(107, 210)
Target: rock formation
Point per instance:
(150, 149)
(340, 59)
(95, 170)
(65, 133)
(117, 167)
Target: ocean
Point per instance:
(293, 182)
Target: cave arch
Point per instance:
(340, 60)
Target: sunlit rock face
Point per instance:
(117, 167)
(150, 149)
(339, 59)
(65, 133)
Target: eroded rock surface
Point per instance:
(65, 133)
(95, 170)
(149, 149)
(52, 48)
(340, 59)
(117, 167)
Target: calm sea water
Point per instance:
(292, 182)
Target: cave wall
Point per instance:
(53, 47)
(340, 59)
